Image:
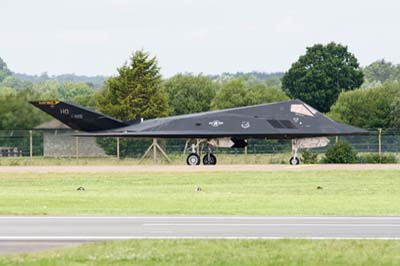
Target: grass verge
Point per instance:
(218, 252)
(223, 193)
(176, 159)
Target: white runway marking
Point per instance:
(110, 238)
(269, 224)
(25, 230)
(83, 217)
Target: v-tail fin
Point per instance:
(78, 117)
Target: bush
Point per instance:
(309, 157)
(375, 158)
(341, 152)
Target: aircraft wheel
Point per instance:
(209, 159)
(193, 159)
(294, 161)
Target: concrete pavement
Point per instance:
(27, 233)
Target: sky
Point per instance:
(91, 37)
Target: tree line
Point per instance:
(328, 77)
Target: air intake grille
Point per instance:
(281, 123)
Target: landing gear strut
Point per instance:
(294, 160)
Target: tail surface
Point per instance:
(78, 117)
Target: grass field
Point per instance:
(219, 252)
(272, 158)
(343, 192)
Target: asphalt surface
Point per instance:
(29, 233)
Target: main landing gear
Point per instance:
(194, 159)
(208, 159)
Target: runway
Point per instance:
(27, 233)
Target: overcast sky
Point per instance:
(209, 36)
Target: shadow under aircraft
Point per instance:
(294, 119)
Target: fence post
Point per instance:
(380, 143)
(155, 150)
(77, 147)
(118, 148)
(30, 144)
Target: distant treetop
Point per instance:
(94, 81)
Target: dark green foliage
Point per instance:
(190, 94)
(17, 113)
(136, 91)
(309, 157)
(375, 158)
(240, 92)
(321, 74)
(341, 152)
(4, 71)
(395, 110)
(369, 108)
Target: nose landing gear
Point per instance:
(294, 160)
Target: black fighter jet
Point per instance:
(295, 120)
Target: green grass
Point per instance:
(223, 193)
(276, 158)
(219, 252)
(176, 159)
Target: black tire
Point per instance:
(294, 161)
(209, 159)
(193, 159)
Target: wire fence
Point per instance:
(61, 143)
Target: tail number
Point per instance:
(64, 111)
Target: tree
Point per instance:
(395, 112)
(15, 83)
(69, 91)
(367, 108)
(380, 70)
(239, 92)
(190, 94)
(48, 89)
(17, 113)
(137, 91)
(4, 71)
(321, 74)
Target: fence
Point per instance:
(56, 143)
